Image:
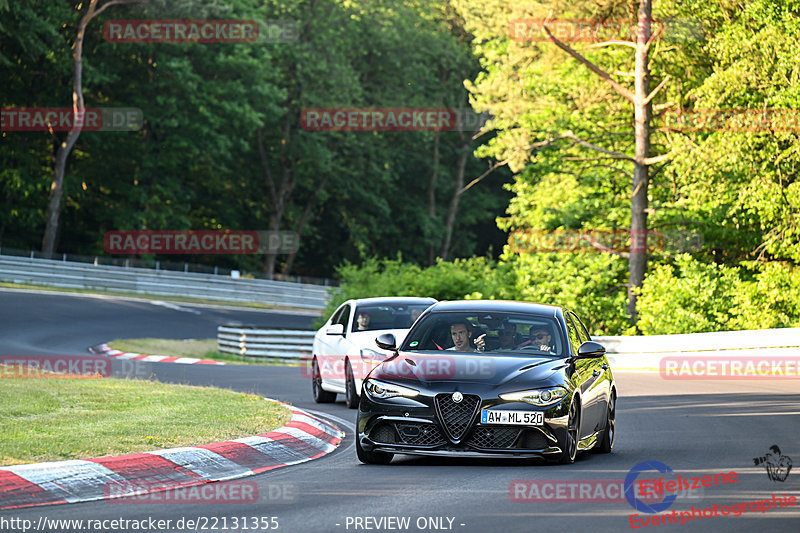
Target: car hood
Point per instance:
(438, 367)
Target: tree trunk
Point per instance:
(275, 218)
(452, 211)
(637, 264)
(432, 195)
(287, 266)
(65, 148)
(279, 192)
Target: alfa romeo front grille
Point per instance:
(456, 417)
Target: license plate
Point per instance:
(514, 418)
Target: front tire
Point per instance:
(351, 394)
(607, 440)
(320, 395)
(372, 458)
(569, 448)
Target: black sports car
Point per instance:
(489, 379)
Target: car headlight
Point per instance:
(539, 397)
(383, 390)
(372, 355)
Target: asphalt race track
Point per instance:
(695, 427)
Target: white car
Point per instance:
(344, 349)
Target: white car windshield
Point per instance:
(370, 317)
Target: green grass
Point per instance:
(163, 298)
(201, 349)
(59, 419)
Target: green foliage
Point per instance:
(196, 163)
(446, 280)
(685, 296)
(693, 296)
(558, 279)
(738, 189)
(592, 285)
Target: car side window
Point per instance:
(336, 314)
(344, 317)
(575, 322)
(581, 328)
(572, 332)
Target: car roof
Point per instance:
(505, 306)
(394, 300)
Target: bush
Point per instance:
(391, 277)
(692, 297)
(590, 284)
(686, 296)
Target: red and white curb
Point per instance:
(105, 349)
(304, 438)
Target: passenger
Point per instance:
(415, 314)
(461, 332)
(508, 333)
(540, 337)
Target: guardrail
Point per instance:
(273, 344)
(646, 352)
(69, 274)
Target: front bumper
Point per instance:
(414, 427)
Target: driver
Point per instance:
(362, 320)
(461, 332)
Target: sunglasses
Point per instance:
(541, 335)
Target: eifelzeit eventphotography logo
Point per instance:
(777, 465)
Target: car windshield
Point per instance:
(505, 333)
(370, 317)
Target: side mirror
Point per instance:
(335, 329)
(591, 349)
(386, 341)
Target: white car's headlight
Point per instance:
(539, 397)
(372, 355)
(383, 390)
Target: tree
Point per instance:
(78, 110)
(641, 98)
(195, 163)
(543, 126)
